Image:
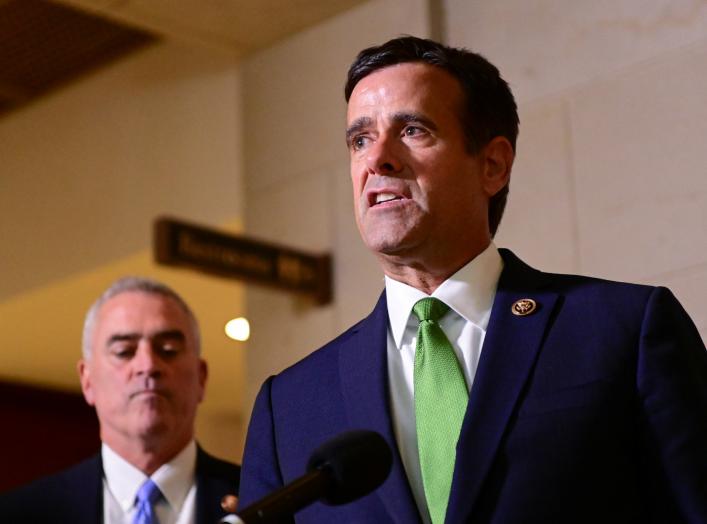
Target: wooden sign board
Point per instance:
(178, 243)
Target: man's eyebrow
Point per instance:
(405, 117)
(356, 126)
(172, 334)
(122, 337)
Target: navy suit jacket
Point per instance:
(75, 495)
(591, 409)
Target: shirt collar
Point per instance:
(174, 478)
(469, 292)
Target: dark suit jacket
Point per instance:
(591, 409)
(75, 495)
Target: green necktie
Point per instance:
(441, 397)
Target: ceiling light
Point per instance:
(238, 329)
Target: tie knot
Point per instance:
(429, 309)
(149, 492)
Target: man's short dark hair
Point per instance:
(489, 107)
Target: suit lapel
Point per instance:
(212, 484)
(363, 368)
(93, 506)
(84, 491)
(509, 353)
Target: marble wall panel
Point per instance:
(545, 46)
(540, 223)
(641, 168)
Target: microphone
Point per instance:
(341, 470)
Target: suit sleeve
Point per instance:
(672, 386)
(260, 472)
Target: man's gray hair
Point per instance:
(142, 285)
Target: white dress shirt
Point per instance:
(469, 293)
(176, 480)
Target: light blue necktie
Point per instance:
(146, 497)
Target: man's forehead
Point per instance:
(407, 83)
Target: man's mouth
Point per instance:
(386, 197)
(148, 393)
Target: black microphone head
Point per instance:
(356, 461)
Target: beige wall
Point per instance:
(610, 177)
(158, 132)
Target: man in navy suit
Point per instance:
(587, 399)
(142, 371)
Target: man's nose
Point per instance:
(384, 156)
(146, 360)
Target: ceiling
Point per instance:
(238, 26)
(46, 44)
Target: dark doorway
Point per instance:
(43, 431)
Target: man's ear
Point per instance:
(203, 376)
(85, 379)
(498, 158)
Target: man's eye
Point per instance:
(413, 131)
(358, 142)
(123, 352)
(168, 349)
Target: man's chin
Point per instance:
(153, 431)
(392, 247)
(153, 422)
(393, 239)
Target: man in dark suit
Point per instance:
(508, 395)
(142, 371)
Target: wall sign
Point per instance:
(178, 243)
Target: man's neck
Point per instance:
(426, 273)
(147, 455)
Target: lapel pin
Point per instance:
(524, 307)
(229, 503)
